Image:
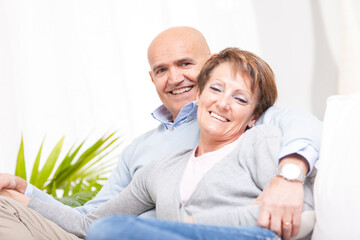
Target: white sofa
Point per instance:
(337, 184)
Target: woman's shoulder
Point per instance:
(263, 131)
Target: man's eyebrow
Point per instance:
(187, 59)
(158, 67)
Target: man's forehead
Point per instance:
(173, 48)
(172, 55)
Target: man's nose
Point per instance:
(175, 76)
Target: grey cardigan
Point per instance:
(224, 196)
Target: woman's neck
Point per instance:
(208, 144)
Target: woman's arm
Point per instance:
(133, 200)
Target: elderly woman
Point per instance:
(214, 184)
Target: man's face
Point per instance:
(174, 67)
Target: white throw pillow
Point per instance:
(337, 184)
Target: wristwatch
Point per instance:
(291, 172)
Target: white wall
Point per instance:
(76, 67)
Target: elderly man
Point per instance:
(176, 56)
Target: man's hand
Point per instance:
(8, 181)
(282, 201)
(16, 196)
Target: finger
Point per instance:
(275, 224)
(286, 229)
(296, 223)
(264, 218)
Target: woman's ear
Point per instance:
(252, 121)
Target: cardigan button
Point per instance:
(180, 205)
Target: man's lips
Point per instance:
(181, 90)
(221, 118)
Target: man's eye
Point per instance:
(161, 70)
(185, 64)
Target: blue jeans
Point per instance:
(127, 227)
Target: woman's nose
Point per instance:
(223, 102)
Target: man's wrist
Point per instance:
(21, 184)
(291, 172)
(296, 159)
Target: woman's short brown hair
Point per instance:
(261, 76)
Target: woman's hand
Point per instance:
(15, 195)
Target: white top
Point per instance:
(197, 167)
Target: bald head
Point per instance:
(180, 37)
(176, 57)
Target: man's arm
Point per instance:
(261, 165)
(281, 202)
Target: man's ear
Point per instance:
(151, 76)
(213, 55)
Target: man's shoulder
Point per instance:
(160, 141)
(151, 133)
(139, 141)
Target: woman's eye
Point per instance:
(240, 99)
(216, 89)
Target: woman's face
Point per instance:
(226, 105)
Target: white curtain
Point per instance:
(79, 67)
(349, 79)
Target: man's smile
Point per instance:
(181, 90)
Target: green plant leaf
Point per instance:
(68, 159)
(20, 163)
(84, 158)
(78, 199)
(65, 164)
(80, 176)
(67, 189)
(35, 170)
(78, 186)
(49, 164)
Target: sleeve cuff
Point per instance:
(304, 149)
(29, 190)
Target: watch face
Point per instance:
(291, 171)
